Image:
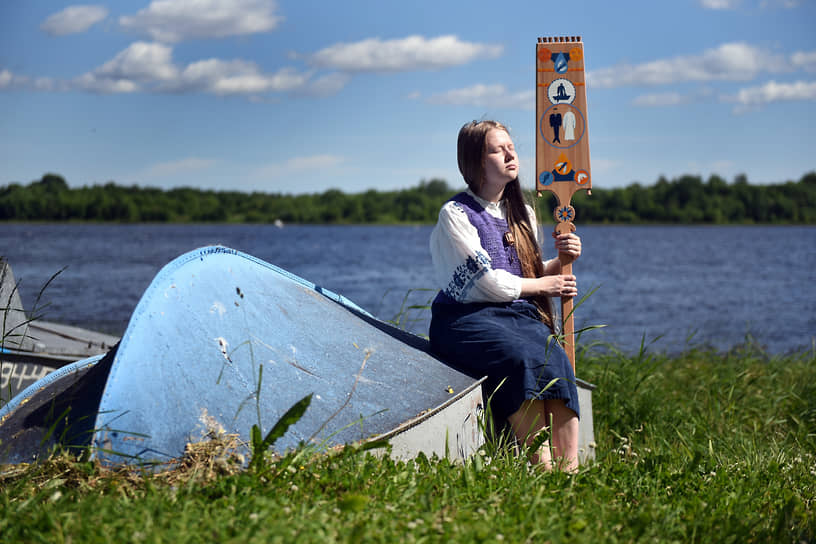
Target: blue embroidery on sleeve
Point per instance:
(466, 275)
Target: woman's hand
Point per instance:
(556, 285)
(568, 243)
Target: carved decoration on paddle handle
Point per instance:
(562, 142)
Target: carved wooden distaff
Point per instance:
(562, 143)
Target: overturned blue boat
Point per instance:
(223, 338)
(220, 337)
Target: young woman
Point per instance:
(492, 316)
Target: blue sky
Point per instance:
(302, 96)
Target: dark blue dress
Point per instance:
(504, 341)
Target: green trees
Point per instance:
(690, 200)
(685, 200)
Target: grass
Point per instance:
(697, 447)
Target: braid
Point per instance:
(532, 265)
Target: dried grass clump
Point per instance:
(217, 453)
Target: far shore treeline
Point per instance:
(684, 200)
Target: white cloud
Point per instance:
(660, 99)
(170, 168)
(139, 63)
(327, 85)
(149, 67)
(406, 54)
(6, 79)
(730, 62)
(9, 80)
(177, 20)
(806, 60)
(754, 97)
(90, 82)
(47, 84)
(491, 96)
(720, 4)
(74, 19)
(236, 77)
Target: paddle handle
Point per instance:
(568, 324)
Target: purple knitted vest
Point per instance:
(491, 233)
(491, 236)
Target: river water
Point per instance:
(670, 286)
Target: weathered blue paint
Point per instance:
(221, 336)
(68, 372)
(58, 409)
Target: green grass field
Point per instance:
(697, 447)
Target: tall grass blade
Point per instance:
(292, 416)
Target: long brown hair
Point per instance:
(471, 148)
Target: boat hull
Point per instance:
(223, 340)
(220, 337)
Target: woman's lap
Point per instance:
(510, 346)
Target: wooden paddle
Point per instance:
(562, 143)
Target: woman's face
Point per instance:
(500, 161)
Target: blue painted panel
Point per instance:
(220, 334)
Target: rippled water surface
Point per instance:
(669, 285)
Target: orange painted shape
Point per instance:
(563, 166)
(581, 177)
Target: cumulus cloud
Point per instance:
(74, 20)
(11, 81)
(805, 60)
(141, 61)
(327, 85)
(177, 20)
(729, 62)
(236, 77)
(6, 79)
(751, 98)
(149, 67)
(660, 99)
(489, 96)
(399, 55)
(139, 64)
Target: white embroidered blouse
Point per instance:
(462, 266)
